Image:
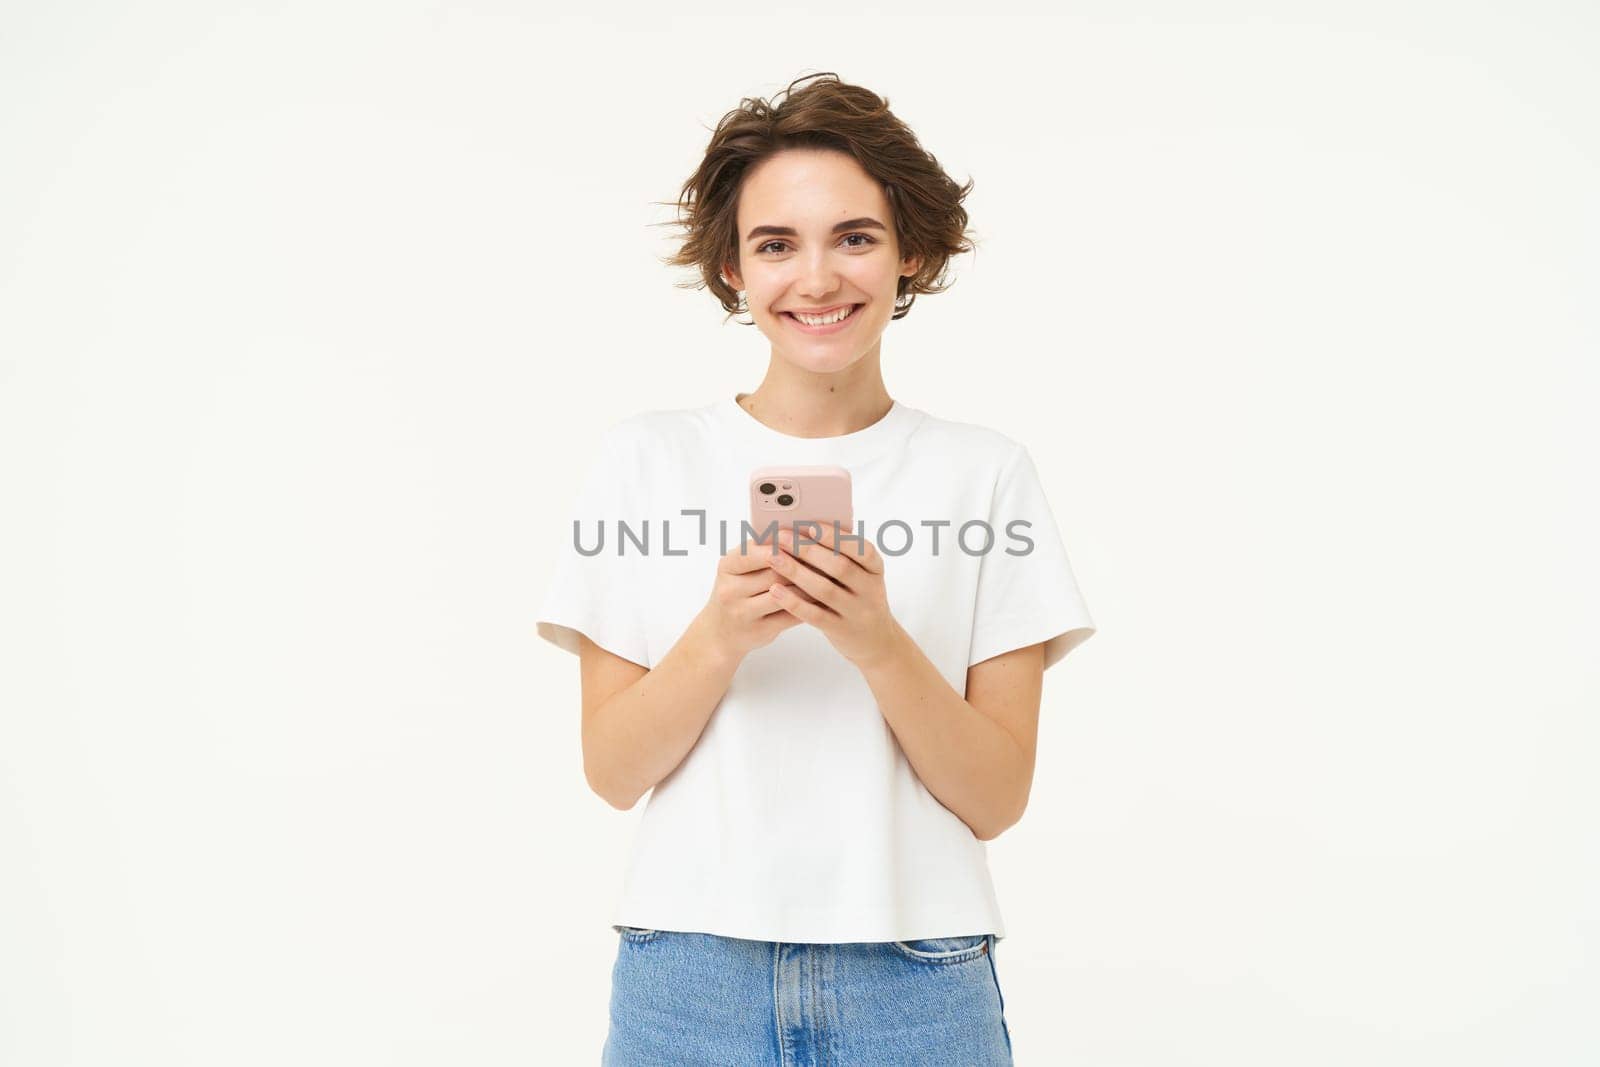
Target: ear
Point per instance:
(731, 276)
(910, 265)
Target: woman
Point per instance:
(832, 732)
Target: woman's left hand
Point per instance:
(848, 602)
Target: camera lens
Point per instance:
(786, 500)
(767, 488)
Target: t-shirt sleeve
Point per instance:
(594, 594)
(1026, 589)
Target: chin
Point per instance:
(820, 363)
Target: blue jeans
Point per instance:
(704, 999)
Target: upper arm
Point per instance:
(603, 675)
(1007, 688)
(1030, 595)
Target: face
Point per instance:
(815, 232)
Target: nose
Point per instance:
(817, 278)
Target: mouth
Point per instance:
(827, 326)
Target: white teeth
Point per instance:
(823, 320)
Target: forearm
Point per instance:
(639, 734)
(966, 759)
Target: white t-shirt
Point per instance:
(796, 816)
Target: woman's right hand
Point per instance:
(741, 614)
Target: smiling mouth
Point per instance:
(853, 308)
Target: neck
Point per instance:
(802, 404)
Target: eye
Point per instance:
(761, 250)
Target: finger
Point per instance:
(815, 554)
(820, 586)
(746, 559)
(765, 602)
(741, 587)
(859, 552)
(764, 542)
(779, 621)
(868, 556)
(819, 615)
(787, 586)
(824, 560)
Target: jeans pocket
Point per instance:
(636, 934)
(943, 950)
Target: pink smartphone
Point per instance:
(810, 494)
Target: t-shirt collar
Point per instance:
(775, 446)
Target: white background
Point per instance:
(309, 314)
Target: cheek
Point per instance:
(879, 278)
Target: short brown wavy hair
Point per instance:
(925, 202)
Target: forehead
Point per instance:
(797, 187)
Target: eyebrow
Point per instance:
(863, 223)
